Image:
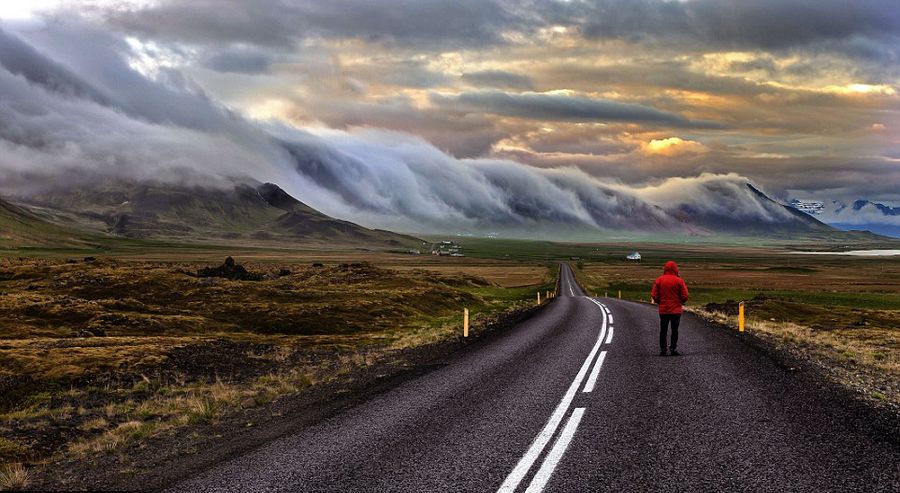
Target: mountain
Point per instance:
(885, 210)
(242, 212)
(861, 215)
(20, 226)
(745, 211)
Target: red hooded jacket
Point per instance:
(669, 291)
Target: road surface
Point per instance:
(577, 399)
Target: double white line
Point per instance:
(540, 442)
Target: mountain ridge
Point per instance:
(245, 212)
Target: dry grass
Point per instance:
(176, 350)
(131, 421)
(13, 477)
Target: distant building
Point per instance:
(633, 257)
(446, 248)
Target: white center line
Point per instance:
(609, 336)
(537, 446)
(559, 448)
(592, 379)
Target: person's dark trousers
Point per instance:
(664, 320)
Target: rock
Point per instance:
(248, 403)
(229, 270)
(97, 331)
(284, 272)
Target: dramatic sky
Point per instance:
(802, 97)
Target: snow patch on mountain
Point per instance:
(861, 214)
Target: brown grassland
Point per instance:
(97, 355)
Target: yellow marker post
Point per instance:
(741, 316)
(548, 295)
(620, 294)
(465, 322)
(606, 294)
(539, 298)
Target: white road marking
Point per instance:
(606, 311)
(592, 379)
(537, 446)
(559, 448)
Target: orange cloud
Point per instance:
(672, 146)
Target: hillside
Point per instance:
(762, 216)
(243, 213)
(20, 227)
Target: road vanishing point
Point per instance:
(576, 398)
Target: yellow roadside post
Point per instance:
(741, 316)
(539, 298)
(548, 294)
(465, 322)
(620, 294)
(606, 294)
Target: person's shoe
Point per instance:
(674, 353)
(662, 353)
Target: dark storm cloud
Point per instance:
(467, 135)
(669, 74)
(561, 107)
(402, 73)
(281, 23)
(237, 60)
(498, 78)
(764, 64)
(101, 61)
(766, 24)
(21, 59)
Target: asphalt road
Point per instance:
(577, 399)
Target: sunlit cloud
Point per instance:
(673, 146)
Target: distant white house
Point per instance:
(446, 248)
(634, 257)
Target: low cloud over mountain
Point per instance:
(84, 116)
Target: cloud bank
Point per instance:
(73, 122)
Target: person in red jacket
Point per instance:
(669, 292)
